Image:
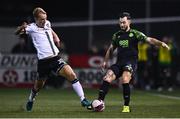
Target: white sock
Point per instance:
(79, 90)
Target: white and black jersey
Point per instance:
(42, 40)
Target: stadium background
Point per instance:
(86, 27)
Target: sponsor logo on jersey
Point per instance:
(124, 43)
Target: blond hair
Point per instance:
(37, 11)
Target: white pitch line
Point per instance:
(167, 96)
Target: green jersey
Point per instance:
(127, 44)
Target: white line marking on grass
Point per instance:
(167, 96)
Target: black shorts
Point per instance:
(130, 66)
(48, 66)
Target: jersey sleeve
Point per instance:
(140, 36)
(47, 24)
(29, 29)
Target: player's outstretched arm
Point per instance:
(107, 56)
(21, 29)
(156, 42)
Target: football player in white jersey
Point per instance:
(47, 43)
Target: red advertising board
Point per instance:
(21, 70)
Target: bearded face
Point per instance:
(124, 23)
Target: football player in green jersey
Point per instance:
(126, 42)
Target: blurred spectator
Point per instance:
(165, 59)
(175, 60)
(20, 47)
(143, 80)
(104, 49)
(153, 66)
(24, 45)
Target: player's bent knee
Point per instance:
(109, 78)
(126, 79)
(106, 79)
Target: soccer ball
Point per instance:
(98, 105)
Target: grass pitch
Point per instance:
(63, 103)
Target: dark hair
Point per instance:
(125, 14)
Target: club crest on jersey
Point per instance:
(131, 34)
